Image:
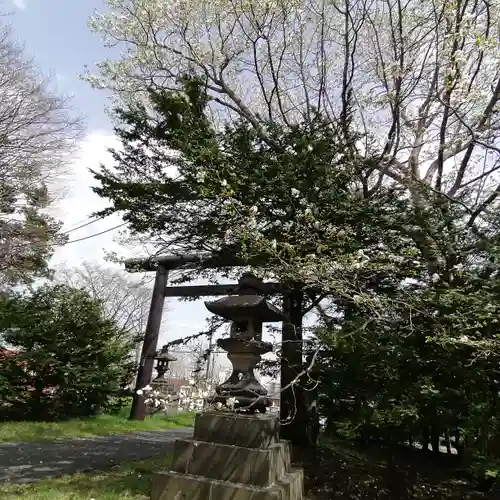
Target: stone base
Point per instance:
(249, 431)
(251, 466)
(232, 457)
(175, 486)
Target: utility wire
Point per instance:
(59, 245)
(91, 235)
(77, 223)
(87, 223)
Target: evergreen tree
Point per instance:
(69, 360)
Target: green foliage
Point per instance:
(409, 350)
(283, 199)
(27, 237)
(422, 365)
(70, 360)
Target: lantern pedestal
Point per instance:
(247, 312)
(242, 385)
(232, 456)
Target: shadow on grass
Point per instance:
(131, 481)
(340, 470)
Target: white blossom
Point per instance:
(200, 176)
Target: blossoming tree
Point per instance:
(421, 78)
(353, 143)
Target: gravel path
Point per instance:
(30, 462)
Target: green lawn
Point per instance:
(18, 432)
(131, 481)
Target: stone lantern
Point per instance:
(247, 311)
(163, 358)
(235, 455)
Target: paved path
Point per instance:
(30, 462)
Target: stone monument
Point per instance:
(235, 455)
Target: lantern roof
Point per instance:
(164, 355)
(245, 307)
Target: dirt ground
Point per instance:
(342, 471)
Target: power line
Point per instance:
(77, 223)
(92, 235)
(84, 225)
(59, 245)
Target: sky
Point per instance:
(55, 34)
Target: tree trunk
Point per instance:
(425, 439)
(448, 441)
(435, 440)
(459, 445)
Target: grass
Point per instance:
(20, 432)
(130, 481)
(337, 470)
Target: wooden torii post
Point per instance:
(291, 348)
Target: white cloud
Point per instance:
(20, 4)
(74, 209)
(80, 202)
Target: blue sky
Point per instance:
(55, 33)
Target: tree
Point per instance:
(422, 80)
(279, 206)
(391, 347)
(422, 368)
(230, 179)
(37, 133)
(412, 92)
(125, 302)
(69, 359)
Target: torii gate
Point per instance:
(291, 348)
